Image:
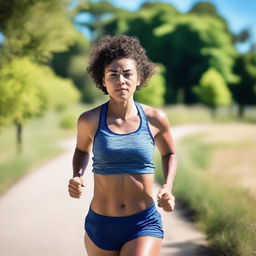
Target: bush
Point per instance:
(68, 121)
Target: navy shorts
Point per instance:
(111, 233)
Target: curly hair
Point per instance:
(119, 46)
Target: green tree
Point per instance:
(72, 64)
(34, 28)
(32, 31)
(28, 90)
(20, 98)
(213, 91)
(153, 94)
(60, 93)
(98, 11)
(244, 91)
(191, 47)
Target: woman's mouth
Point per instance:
(121, 90)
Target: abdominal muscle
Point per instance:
(122, 194)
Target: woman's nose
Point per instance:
(120, 79)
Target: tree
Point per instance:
(213, 91)
(99, 12)
(28, 90)
(193, 45)
(244, 90)
(153, 94)
(34, 28)
(72, 64)
(19, 98)
(32, 31)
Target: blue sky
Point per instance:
(238, 13)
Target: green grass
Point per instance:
(226, 213)
(40, 143)
(180, 114)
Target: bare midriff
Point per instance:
(122, 194)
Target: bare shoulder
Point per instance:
(89, 120)
(90, 115)
(156, 117)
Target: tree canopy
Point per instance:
(35, 29)
(212, 90)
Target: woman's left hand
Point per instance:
(165, 199)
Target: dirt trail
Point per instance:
(37, 217)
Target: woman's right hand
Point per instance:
(75, 187)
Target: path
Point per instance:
(37, 216)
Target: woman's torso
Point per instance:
(122, 194)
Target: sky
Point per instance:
(238, 13)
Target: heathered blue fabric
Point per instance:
(111, 233)
(115, 153)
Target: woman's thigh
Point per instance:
(93, 250)
(142, 246)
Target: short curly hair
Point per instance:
(114, 47)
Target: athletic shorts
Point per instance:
(111, 233)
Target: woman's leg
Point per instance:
(93, 250)
(142, 246)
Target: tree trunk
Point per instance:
(19, 137)
(214, 112)
(180, 96)
(241, 109)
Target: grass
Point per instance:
(225, 208)
(40, 143)
(180, 114)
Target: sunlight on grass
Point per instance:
(180, 114)
(225, 208)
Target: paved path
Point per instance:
(37, 216)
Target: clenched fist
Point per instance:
(75, 187)
(165, 199)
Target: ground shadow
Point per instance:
(185, 210)
(185, 248)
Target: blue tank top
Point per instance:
(115, 153)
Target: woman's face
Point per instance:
(121, 78)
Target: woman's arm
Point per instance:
(165, 145)
(81, 156)
(83, 147)
(80, 161)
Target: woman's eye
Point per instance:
(125, 75)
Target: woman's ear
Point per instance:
(138, 82)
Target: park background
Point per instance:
(206, 61)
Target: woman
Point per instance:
(122, 134)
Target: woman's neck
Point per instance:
(122, 109)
